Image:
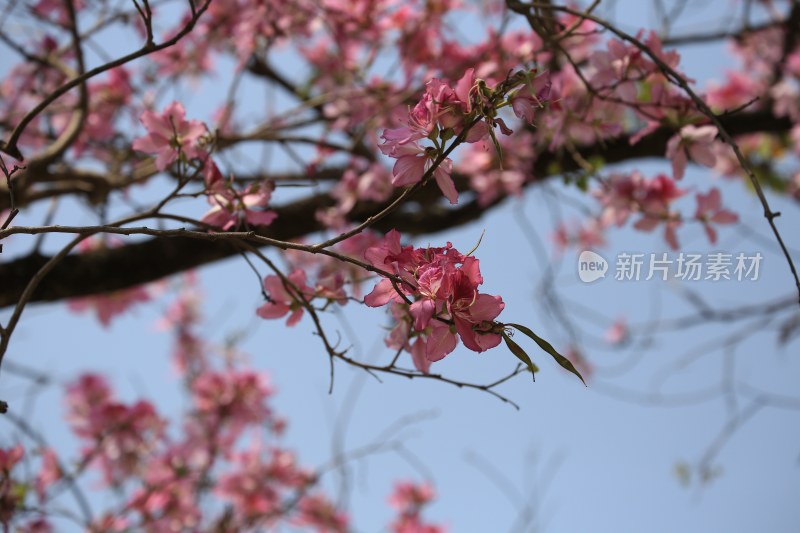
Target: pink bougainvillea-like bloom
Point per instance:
(255, 485)
(231, 400)
(413, 162)
(118, 436)
(283, 299)
(444, 112)
(709, 209)
(232, 208)
(408, 499)
(170, 135)
(617, 333)
(318, 514)
(624, 195)
(692, 143)
(441, 285)
(49, 473)
(531, 97)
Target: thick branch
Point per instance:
(119, 268)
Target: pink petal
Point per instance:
(421, 362)
(725, 217)
(702, 154)
(272, 310)
(486, 308)
(422, 311)
(408, 169)
(295, 317)
(382, 294)
(261, 218)
(711, 233)
(441, 342)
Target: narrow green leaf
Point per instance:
(517, 350)
(547, 347)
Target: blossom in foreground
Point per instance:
(439, 288)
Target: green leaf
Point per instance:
(517, 350)
(547, 347)
(497, 147)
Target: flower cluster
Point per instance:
(467, 111)
(436, 300)
(232, 208)
(408, 499)
(118, 436)
(170, 136)
(625, 194)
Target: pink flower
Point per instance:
(49, 473)
(709, 209)
(169, 135)
(233, 399)
(474, 319)
(692, 142)
(231, 208)
(531, 97)
(10, 457)
(408, 497)
(413, 162)
(627, 194)
(617, 333)
(255, 486)
(586, 235)
(283, 299)
(118, 436)
(739, 89)
(319, 514)
(671, 224)
(446, 303)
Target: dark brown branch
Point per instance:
(119, 268)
